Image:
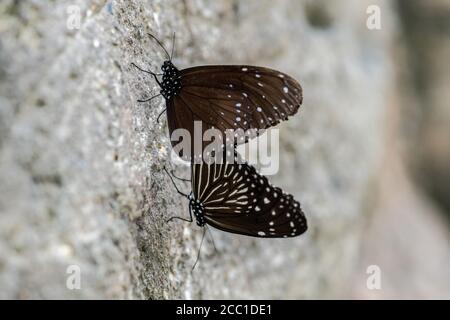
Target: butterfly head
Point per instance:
(197, 208)
(171, 80)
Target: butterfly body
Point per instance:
(197, 208)
(171, 80)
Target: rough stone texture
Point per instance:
(81, 178)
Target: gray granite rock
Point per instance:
(81, 180)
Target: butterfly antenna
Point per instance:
(173, 46)
(160, 44)
(199, 250)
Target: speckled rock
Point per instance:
(81, 179)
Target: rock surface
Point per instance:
(81, 179)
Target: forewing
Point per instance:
(233, 97)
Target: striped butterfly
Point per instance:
(234, 197)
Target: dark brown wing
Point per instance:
(232, 97)
(239, 200)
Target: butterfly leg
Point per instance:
(212, 239)
(181, 218)
(199, 250)
(149, 72)
(149, 99)
(183, 194)
(181, 179)
(174, 184)
(157, 119)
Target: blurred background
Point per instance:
(81, 179)
(410, 227)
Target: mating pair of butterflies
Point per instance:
(233, 197)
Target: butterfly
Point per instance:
(234, 197)
(225, 96)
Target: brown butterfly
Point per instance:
(225, 96)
